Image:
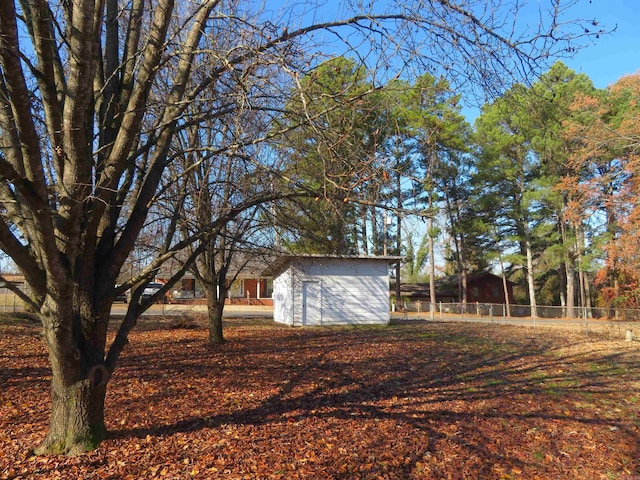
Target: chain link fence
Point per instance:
(10, 302)
(612, 321)
(521, 311)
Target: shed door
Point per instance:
(311, 303)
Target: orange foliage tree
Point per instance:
(605, 128)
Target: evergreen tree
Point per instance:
(441, 134)
(551, 98)
(506, 177)
(330, 147)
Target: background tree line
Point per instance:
(542, 188)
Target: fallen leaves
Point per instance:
(421, 401)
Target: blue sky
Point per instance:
(610, 57)
(614, 55)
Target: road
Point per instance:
(173, 309)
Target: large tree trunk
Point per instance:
(77, 417)
(78, 383)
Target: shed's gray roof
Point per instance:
(281, 263)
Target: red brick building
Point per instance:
(481, 288)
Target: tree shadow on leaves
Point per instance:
(424, 386)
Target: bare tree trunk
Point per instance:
(364, 236)
(587, 293)
(78, 387)
(398, 233)
(581, 277)
(464, 286)
(432, 267)
(213, 283)
(563, 288)
(376, 242)
(507, 300)
(569, 272)
(571, 290)
(530, 276)
(77, 423)
(585, 288)
(505, 285)
(433, 159)
(581, 288)
(398, 264)
(215, 308)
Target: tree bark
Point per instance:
(432, 266)
(215, 308)
(505, 285)
(571, 290)
(585, 290)
(78, 383)
(569, 271)
(77, 415)
(530, 276)
(216, 336)
(505, 288)
(398, 235)
(363, 231)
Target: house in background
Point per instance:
(482, 287)
(331, 290)
(245, 281)
(251, 287)
(17, 279)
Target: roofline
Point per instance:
(283, 261)
(331, 255)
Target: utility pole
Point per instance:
(386, 222)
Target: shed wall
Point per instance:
(352, 291)
(283, 298)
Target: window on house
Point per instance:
(237, 289)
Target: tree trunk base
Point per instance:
(72, 444)
(77, 419)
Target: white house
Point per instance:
(331, 290)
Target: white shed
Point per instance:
(331, 290)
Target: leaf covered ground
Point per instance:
(421, 401)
